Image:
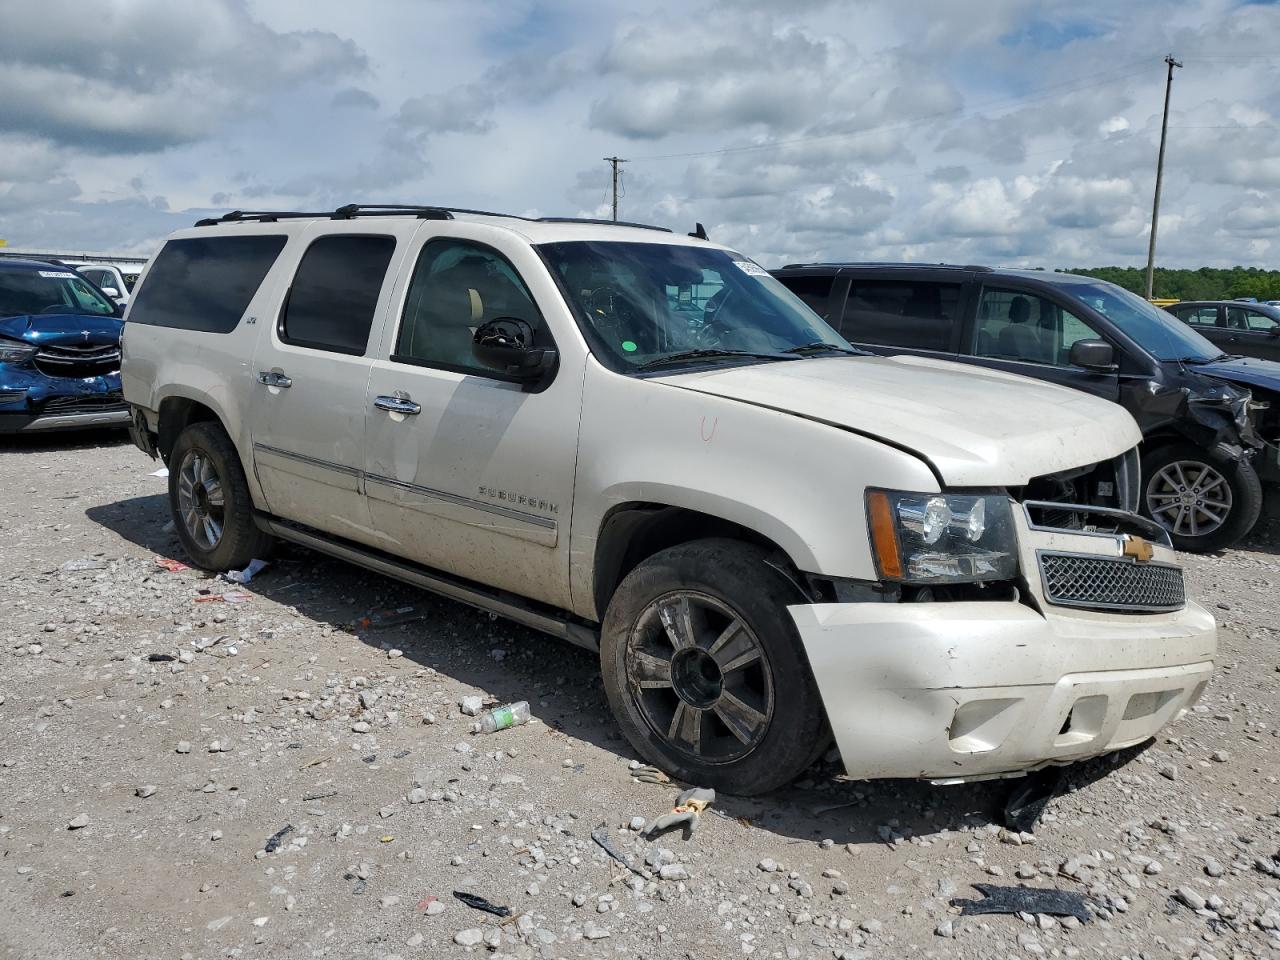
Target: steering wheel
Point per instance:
(616, 318)
(58, 308)
(713, 331)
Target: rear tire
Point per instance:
(1205, 501)
(210, 502)
(736, 707)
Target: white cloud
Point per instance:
(811, 129)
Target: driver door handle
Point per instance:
(273, 378)
(397, 405)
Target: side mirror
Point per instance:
(506, 345)
(1092, 355)
(111, 292)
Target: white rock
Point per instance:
(469, 938)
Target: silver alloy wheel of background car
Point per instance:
(700, 677)
(1189, 498)
(201, 502)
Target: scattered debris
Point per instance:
(231, 596)
(162, 472)
(1032, 900)
(390, 618)
(160, 657)
(601, 836)
(273, 842)
(248, 573)
(173, 566)
(650, 775)
(319, 796)
(1028, 799)
(502, 718)
(689, 806)
(480, 903)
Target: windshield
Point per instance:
(640, 303)
(50, 291)
(1160, 333)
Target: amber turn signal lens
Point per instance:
(883, 536)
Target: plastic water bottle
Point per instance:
(500, 718)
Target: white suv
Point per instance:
(642, 443)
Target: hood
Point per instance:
(976, 427)
(1248, 371)
(62, 329)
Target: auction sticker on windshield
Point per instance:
(61, 275)
(751, 269)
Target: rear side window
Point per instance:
(335, 292)
(814, 291)
(204, 283)
(902, 313)
(1200, 316)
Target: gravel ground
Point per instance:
(143, 777)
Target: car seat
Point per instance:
(1018, 339)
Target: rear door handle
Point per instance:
(273, 378)
(397, 405)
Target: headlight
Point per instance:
(14, 351)
(942, 537)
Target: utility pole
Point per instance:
(1155, 207)
(613, 162)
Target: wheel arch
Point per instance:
(632, 532)
(177, 412)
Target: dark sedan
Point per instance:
(59, 350)
(1237, 326)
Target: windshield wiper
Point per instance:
(707, 353)
(1200, 360)
(821, 346)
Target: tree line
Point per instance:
(1206, 283)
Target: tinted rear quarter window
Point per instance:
(919, 314)
(204, 283)
(815, 291)
(335, 292)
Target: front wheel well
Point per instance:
(633, 532)
(176, 414)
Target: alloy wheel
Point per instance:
(1189, 498)
(201, 502)
(699, 677)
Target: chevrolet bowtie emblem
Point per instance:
(1138, 548)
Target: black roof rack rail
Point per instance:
(350, 211)
(608, 223)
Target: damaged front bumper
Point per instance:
(959, 690)
(946, 691)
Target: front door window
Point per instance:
(1013, 325)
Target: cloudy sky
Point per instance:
(999, 131)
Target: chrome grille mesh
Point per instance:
(1074, 580)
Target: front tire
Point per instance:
(210, 501)
(705, 672)
(1205, 501)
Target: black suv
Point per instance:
(1236, 326)
(1204, 446)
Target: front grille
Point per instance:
(100, 403)
(1076, 580)
(90, 360)
(12, 396)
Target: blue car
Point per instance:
(59, 350)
